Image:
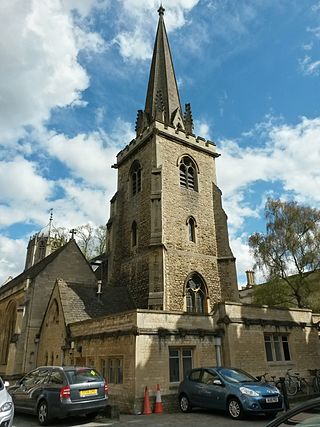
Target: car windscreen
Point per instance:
(1, 384)
(236, 376)
(83, 375)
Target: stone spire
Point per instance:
(162, 100)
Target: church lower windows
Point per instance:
(188, 178)
(112, 368)
(277, 347)
(180, 362)
(135, 173)
(195, 294)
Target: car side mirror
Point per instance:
(6, 383)
(217, 382)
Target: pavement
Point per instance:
(198, 418)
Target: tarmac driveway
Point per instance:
(197, 418)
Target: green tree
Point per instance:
(289, 252)
(91, 240)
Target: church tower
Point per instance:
(43, 244)
(167, 238)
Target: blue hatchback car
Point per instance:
(228, 389)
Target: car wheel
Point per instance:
(235, 409)
(43, 415)
(185, 405)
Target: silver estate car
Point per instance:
(6, 405)
(60, 391)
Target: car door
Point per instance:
(213, 391)
(38, 388)
(194, 387)
(21, 391)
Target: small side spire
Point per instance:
(188, 120)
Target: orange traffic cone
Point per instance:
(146, 403)
(158, 409)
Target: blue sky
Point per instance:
(74, 73)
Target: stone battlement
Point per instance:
(177, 134)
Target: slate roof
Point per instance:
(80, 301)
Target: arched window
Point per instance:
(135, 173)
(134, 234)
(195, 294)
(188, 174)
(42, 250)
(191, 223)
(9, 328)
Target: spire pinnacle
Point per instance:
(162, 100)
(161, 10)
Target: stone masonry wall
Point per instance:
(135, 337)
(131, 264)
(178, 203)
(245, 326)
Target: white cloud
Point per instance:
(19, 178)
(39, 45)
(85, 155)
(202, 128)
(22, 190)
(136, 42)
(84, 7)
(310, 67)
(12, 257)
(289, 159)
(80, 205)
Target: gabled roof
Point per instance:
(81, 302)
(34, 270)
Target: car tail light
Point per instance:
(65, 392)
(106, 388)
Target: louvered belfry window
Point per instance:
(188, 177)
(136, 177)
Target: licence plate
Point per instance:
(92, 392)
(272, 399)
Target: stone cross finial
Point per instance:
(73, 232)
(161, 10)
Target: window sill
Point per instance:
(174, 386)
(281, 363)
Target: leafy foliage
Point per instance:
(289, 252)
(91, 240)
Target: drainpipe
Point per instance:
(217, 346)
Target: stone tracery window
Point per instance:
(188, 174)
(195, 294)
(8, 331)
(135, 173)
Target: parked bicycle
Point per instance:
(264, 378)
(315, 373)
(295, 383)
